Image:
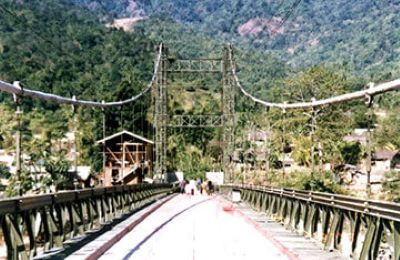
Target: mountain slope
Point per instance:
(62, 48)
(58, 47)
(363, 35)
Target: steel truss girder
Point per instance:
(194, 65)
(196, 121)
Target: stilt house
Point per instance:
(127, 158)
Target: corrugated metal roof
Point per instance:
(384, 155)
(128, 133)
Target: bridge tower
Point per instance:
(159, 97)
(228, 113)
(225, 119)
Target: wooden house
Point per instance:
(127, 158)
(386, 160)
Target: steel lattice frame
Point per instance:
(228, 109)
(159, 93)
(163, 121)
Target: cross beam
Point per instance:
(196, 121)
(194, 65)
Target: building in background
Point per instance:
(127, 158)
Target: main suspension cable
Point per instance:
(361, 94)
(26, 92)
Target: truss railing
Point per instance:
(313, 213)
(39, 224)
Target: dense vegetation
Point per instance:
(57, 47)
(66, 47)
(363, 35)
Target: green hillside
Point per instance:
(363, 35)
(61, 48)
(70, 47)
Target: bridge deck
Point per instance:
(194, 227)
(201, 227)
(302, 247)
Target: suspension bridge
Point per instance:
(150, 221)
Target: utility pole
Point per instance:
(104, 137)
(320, 159)
(283, 144)
(369, 152)
(313, 123)
(75, 152)
(369, 102)
(18, 114)
(268, 148)
(75, 131)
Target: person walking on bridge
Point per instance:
(198, 185)
(182, 186)
(210, 187)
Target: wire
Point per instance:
(362, 94)
(295, 5)
(121, 111)
(26, 92)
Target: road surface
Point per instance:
(196, 227)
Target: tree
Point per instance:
(351, 152)
(323, 128)
(58, 168)
(4, 172)
(6, 122)
(386, 135)
(391, 186)
(19, 186)
(301, 153)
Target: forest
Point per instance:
(285, 51)
(361, 35)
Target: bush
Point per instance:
(26, 184)
(58, 168)
(4, 172)
(391, 186)
(351, 152)
(320, 182)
